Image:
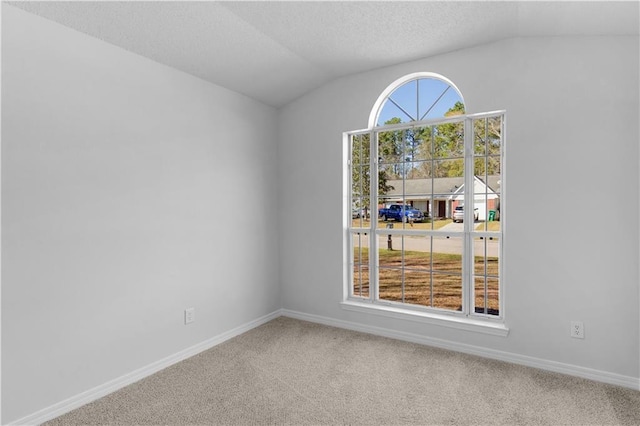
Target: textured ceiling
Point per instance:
(277, 51)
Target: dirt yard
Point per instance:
(429, 280)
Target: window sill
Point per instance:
(467, 324)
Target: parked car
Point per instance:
(357, 213)
(458, 214)
(399, 212)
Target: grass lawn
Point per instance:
(437, 285)
(494, 225)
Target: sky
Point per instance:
(416, 97)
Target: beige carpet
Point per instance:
(299, 373)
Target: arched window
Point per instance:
(413, 246)
(417, 97)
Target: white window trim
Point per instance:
(456, 320)
(485, 326)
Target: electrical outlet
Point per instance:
(189, 315)
(577, 329)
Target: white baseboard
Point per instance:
(86, 397)
(543, 364)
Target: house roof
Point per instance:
(277, 51)
(443, 188)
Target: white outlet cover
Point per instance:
(577, 329)
(189, 315)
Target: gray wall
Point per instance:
(130, 191)
(571, 245)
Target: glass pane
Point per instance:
(413, 140)
(356, 213)
(486, 269)
(480, 137)
(398, 146)
(356, 149)
(479, 293)
(417, 252)
(390, 250)
(494, 181)
(494, 135)
(451, 173)
(421, 143)
(487, 136)
(487, 170)
(365, 213)
(356, 181)
(486, 252)
(481, 194)
(447, 254)
(360, 281)
(391, 146)
(360, 149)
(479, 256)
(385, 203)
(391, 114)
(438, 99)
(360, 181)
(388, 174)
(391, 286)
(494, 166)
(486, 296)
(417, 287)
(360, 242)
(438, 212)
(405, 97)
(486, 189)
(495, 224)
(417, 190)
(413, 217)
(493, 291)
(401, 216)
(447, 291)
(415, 170)
(448, 141)
(416, 214)
(360, 188)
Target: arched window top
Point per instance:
(417, 97)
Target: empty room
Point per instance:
(231, 212)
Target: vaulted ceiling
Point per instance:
(277, 51)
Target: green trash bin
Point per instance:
(492, 215)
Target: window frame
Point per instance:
(467, 318)
(384, 96)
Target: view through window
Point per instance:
(413, 242)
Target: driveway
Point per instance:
(453, 227)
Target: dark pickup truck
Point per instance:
(399, 212)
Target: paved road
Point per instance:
(451, 245)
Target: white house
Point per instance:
(485, 197)
(440, 196)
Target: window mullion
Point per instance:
(348, 146)
(373, 208)
(468, 222)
